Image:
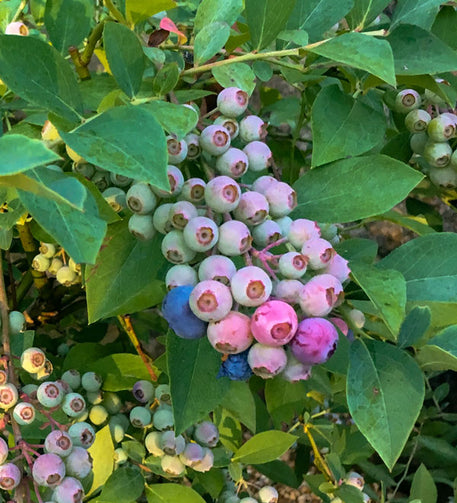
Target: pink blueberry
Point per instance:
(251, 286)
(259, 156)
(215, 139)
(4, 450)
(274, 323)
(233, 163)
(295, 370)
(341, 325)
(264, 182)
(319, 253)
(176, 181)
(266, 233)
(48, 470)
(218, 268)
(288, 290)
(201, 234)
(234, 238)
(252, 209)
(58, 442)
(193, 190)
(302, 230)
(293, 265)
(181, 213)
(10, 476)
(252, 128)
(222, 194)
(338, 267)
(267, 361)
(320, 295)
(69, 490)
(232, 101)
(282, 199)
(315, 341)
(232, 334)
(210, 300)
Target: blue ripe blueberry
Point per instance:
(116, 198)
(192, 454)
(252, 128)
(175, 249)
(73, 405)
(206, 434)
(48, 250)
(170, 444)
(90, 381)
(266, 233)
(143, 391)
(78, 463)
(234, 238)
(177, 150)
(210, 300)
(141, 226)
(152, 443)
(222, 194)
(176, 310)
(58, 442)
(236, 367)
(193, 146)
(218, 268)
(172, 466)
(252, 209)
(141, 199)
(232, 101)
(163, 393)
(163, 418)
(160, 218)
(259, 156)
(140, 417)
(201, 234)
(180, 275)
(24, 413)
(8, 396)
(230, 124)
(215, 140)
(82, 434)
(16, 322)
(69, 490)
(176, 181)
(233, 163)
(181, 213)
(10, 476)
(48, 470)
(193, 190)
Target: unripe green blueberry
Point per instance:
(170, 444)
(284, 224)
(160, 219)
(55, 265)
(259, 156)
(84, 169)
(117, 431)
(141, 199)
(101, 181)
(252, 128)
(16, 322)
(90, 381)
(73, 378)
(357, 317)
(141, 226)
(163, 418)
(121, 419)
(234, 238)
(201, 234)
(453, 163)
(73, 405)
(143, 391)
(10, 476)
(407, 100)
(33, 360)
(40, 263)
(115, 197)
(268, 494)
(69, 490)
(215, 140)
(30, 390)
(266, 233)
(50, 394)
(94, 397)
(180, 275)
(111, 402)
(437, 154)
(172, 466)
(222, 194)
(152, 443)
(140, 417)
(445, 178)
(78, 463)
(175, 249)
(232, 163)
(74, 266)
(193, 146)
(248, 500)
(48, 250)
(120, 180)
(292, 265)
(181, 213)
(120, 456)
(66, 276)
(176, 181)
(230, 124)
(441, 128)
(177, 150)
(417, 120)
(98, 415)
(163, 393)
(218, 268)
(82, 434)
(232, 101)
(24, 413)
(193, 190)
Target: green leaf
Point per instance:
(417, 51)
(235, 75)
(81, 233)
(166, 79)
(423, 486)
(38, 73)
(68, 22)
(352, 128)
(213, 11)
(444, 26)
(385, 392)
(6, 237)
(192, 368)
(102, 453)
(415, 224)
(264, 447)
(430, 269)
(365, 11)
(172, 493)
(351, 189)
(240, 402)
(266, 18)
(317, 16)
(19, 153)
(414, 326)
(279, 471)
(386, 289)
(440, 352)
(120, 371)
(418, 12)
(175, 119)
(361, 51)
(124, 278)
(125, 57)
(230, 431)
(83, 356)
(349, 494)
(209, 40)
(358, 250)
(125, 485)
(116, 140)
(262, 70)
(284, 400)
(139, 10)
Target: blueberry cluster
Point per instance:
(53, 260)
(432, 137)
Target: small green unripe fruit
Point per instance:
(418, 142)
(437, 154)
(445, 178)
(417, 120)
(17, 323)
(98, 415)
(40, 263)
(441, 129)
(120, 180)
(56, 264)
(48, 250)
(115, 197)
(141, 226)
(407, 100)
(65, 276)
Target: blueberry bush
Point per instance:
(193, 308)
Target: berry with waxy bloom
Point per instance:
(267, 361)
(177, 150)
(73, 404)
(207, 461)
(24, 413)
(284, 224)
(82, 434)
(193, 146)
(234, 238)
(266, 233)
(232, 334)
(338, 267)
(116, 198)
(282, 199)
(4, 450)
(140, 417)
(152, 443)
(17, 28)
(293, 265)
(193, 190)
(274, 323)
(236, 367)
(315, 341)
(78, 463)
(259, 156)
(417, 120)
(90, 381)
(58, 442)
(140, 198)
(341, 325)
(69, 490)
(176, 181)
(222, 194)
(295, 370)
(264, 182)
(407, 100)
(160, 219)
(268, 494)
(215, 139)
(437, 154)
(301, 231)
(8, 396)
(232, 101)
(288, 290)
(441, 128)
(10, 476)
(33, 360)
(73, 378)
(217, 267)
(172, 465)
(210, 300)
(230, 124)
(180, 275)
(48, 470)
(355, 479)
(320, 295)
(171, 444)
(175, 249)
(233, 163)
(163, 393)
(252, 209)
(252, 128)
(319, 253)
(206, 434)
(143, 391)
(251, 286)
(192, 454)
(141, 226)
(181, 213)
(201, 234)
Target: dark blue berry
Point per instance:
(236, 367)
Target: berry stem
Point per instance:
(272, 245)
(126, 324)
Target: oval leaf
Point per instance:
(440, 352)
(172, 493)
(212, 11)
(264, 447)
(237, 75)
(385, 392)
(351, 189)
(175, 119)
(210, 40)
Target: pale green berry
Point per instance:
(40, 263)
(48, 250)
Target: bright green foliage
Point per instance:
(264, 447)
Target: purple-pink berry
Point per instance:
(48, 470)
(320, 295)
(232, 101)
(301, 231)
(234, 238)
(274, 323)
(315, 341)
